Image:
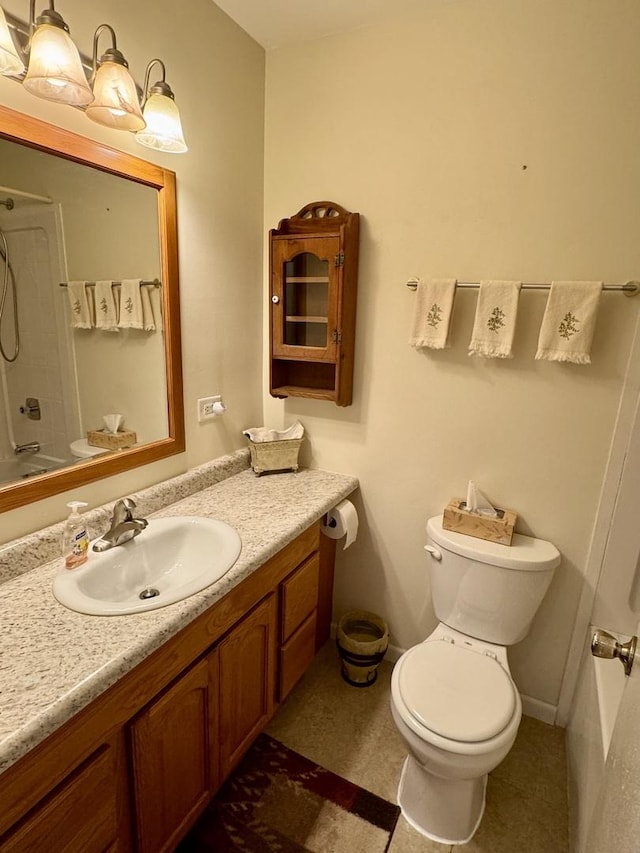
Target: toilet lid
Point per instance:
(459, 694)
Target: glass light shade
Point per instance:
(115, 101)
(10, 62)
(164, 130)
(55, 71)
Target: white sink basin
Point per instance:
(170, 560)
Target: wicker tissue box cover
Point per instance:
(460, 520)
(270, 456)
(111, 440)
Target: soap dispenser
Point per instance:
(75, 539)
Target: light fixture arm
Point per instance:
(159, 88)
(111, 54)
(48, 16)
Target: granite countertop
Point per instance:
(54, 661)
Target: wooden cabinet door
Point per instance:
(81, 815)
(246, 679)
(305, 297)
(173, 758)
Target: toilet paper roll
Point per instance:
(341, 521)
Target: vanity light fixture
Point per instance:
(58, 72)
(164, 129)
(10, 63)
(115, 102)
(55, 70)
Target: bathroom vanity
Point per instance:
(190, 685)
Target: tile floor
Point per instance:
(349, 730)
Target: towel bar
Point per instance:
(630, 288)
(153, 283)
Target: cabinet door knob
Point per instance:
(275, 299)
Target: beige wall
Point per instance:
(217, 74)
(478, 140)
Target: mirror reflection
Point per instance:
(81, 328)
(106, 210)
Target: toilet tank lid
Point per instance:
(524, 554)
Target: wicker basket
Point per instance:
(111, 440)
(268, 457)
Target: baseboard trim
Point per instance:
(539, 710)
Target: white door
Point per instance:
(615, 827)
(615, 824)
(617, 603)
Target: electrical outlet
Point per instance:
(205, 407)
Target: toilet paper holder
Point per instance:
(341, 521)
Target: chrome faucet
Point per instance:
(123, 526)
(30, 447)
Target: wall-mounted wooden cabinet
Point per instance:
(314, 276)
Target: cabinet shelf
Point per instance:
(307, 279)
(303, 391)
(293, 319)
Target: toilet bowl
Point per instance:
(458, 711)
(453, 700)
(81, 449)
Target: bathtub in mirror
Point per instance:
(81, 211)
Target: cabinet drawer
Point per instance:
(296, 655)
(299, 596)
(81, 814)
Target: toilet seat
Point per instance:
(459, 694)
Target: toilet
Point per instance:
(452, 696)
(81, 449)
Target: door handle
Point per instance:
(605, 645)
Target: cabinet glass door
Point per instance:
(306, 301)
(306, 278)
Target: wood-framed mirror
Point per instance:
(72, 209)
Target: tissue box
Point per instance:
(111, 440)
(269, 456)
(459, 520)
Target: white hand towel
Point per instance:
(80, 309)
(495, 321)
(569, 321)
(148, 321)
(131, 305)
(432, 313)
(106, 316)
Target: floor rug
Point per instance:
(277, 800)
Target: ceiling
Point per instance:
(276, 23)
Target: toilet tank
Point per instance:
(486, 590)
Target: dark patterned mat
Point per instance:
(277, 801)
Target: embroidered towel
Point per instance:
(495, 321)
(569, 321)
(432, 313)
(80, 310)
(130, 304)
(148, 321)
(106, 316)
